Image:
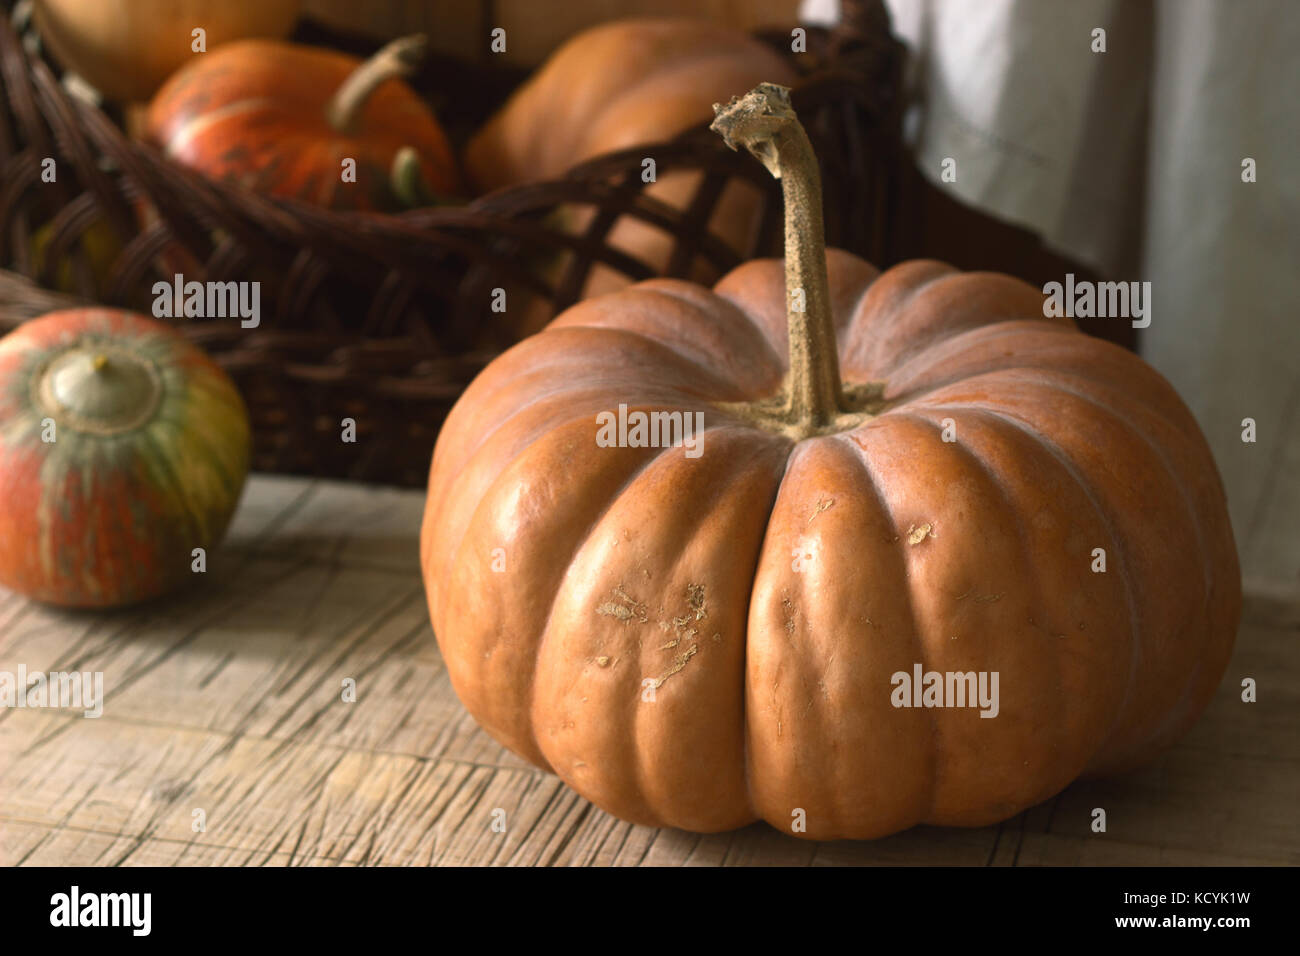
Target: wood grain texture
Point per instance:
(228, 699)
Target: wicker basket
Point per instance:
(385, 320)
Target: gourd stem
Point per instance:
(764, 123)
(407, 181)
(98, 391)
(402, 57)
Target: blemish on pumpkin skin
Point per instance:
(918, 533)
(629, 611)
(822, 505)
(602, 661)
(775, 704)
(679, 662)
(632, 610)
(696, 608)
(695, 601)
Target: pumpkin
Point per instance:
(617, 86)
(281, 119)
(122, 449)
(890, 475)
(126, 48)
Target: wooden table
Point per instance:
(228, 701)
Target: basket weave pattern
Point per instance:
(385, 319)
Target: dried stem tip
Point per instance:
(754, 120)
(764, 122)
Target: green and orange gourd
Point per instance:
(122, 449)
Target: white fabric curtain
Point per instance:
(1131, 161)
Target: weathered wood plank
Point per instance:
(331, 521)
(32, 844)
(229, 699)
(268, 656)
(1052, 850)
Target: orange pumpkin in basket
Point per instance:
(281, 119)
(619, 85)
(894, 475)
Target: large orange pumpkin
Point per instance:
(619, 85)
(708, 634)
(281, 118)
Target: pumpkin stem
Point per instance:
(402, 57)
(97, 391)
(407, 180)
(764, 123)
